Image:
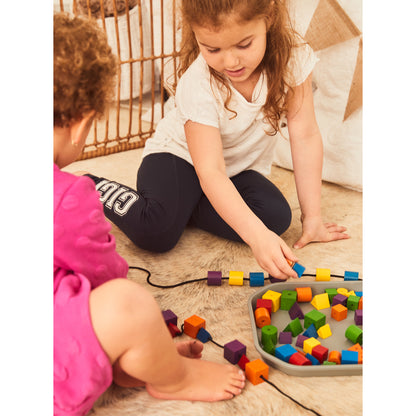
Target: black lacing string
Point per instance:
(186, 282)
(289, 397)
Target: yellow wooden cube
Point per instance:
(236, 278)
(309, 344)
(321, 301)
(323, 275)
(324, 331)
(274, 297)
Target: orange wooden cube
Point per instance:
(339, 312)
(357, 347)
(335, 357)
(304, 294)
(192, 325)
(255, 369)
(262, 317)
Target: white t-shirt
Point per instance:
(246, 145)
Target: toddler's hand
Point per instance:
(314, 230)
(271, 253)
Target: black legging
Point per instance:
(169, 197)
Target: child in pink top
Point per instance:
(106, 327)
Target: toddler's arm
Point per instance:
(307, 156)
(205, 147)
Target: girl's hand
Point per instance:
(271, 253)
(314, 230)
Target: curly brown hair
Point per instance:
(84, 69)
(281, 38)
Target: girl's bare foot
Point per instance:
(190, 349)
(203, 381)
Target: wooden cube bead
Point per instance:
(349, 357)
(309, 344)
(314, 317)
(170, 317)
(192, 325)
(320, 352)
(284, 352)
(255, 369)
(265, 303)
(287, 299)
(233, 351)
(339, 312)
(274, 297)
(352, 303)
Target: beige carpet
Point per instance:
(225, 308)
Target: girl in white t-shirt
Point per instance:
(244, 74)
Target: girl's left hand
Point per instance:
(314, 230)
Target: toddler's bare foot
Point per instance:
(203, 381)
(190, 349)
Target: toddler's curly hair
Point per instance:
(84, 69)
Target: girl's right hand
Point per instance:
(271, 253)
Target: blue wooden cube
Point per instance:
(299, 269)
(284, 352)
(349, 357)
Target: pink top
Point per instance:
(84, 257)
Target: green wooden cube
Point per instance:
(314, 317)
(288, 299)
(295, 327)
(331, 293)
(352, 302)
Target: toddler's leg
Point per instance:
(132, 331)
(263, 198)
(155, 215)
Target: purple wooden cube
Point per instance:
(170, 317)
(296, 312)
(358, 317)
(299, 341)
(214, 278)
(233, 351)
(285, 337)
(339, 299)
